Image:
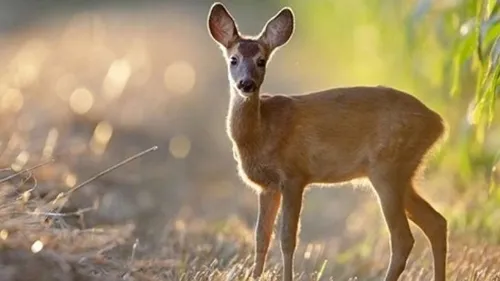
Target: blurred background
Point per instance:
(90, 83)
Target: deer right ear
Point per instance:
(221, 25)
(278, 29)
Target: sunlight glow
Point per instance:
(15, 141)
(466, 28)
(65, 85)
(37, 246)
(131, 114)
(20, 161)
(100, 139)
(26, 65)
(26, 196)
(70, 180)
(26, 74)
(116, 79)
(81, 101)
(367, 39)
(308, 252)
(180, 225)
(25, 122)
(137, 54)
(180, 77)
(11, 100)
(4, 234)
(103, 132)
(470, 113)
(180, 146)
(50, 143)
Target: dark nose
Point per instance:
(246, 85)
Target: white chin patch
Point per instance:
(246, 94)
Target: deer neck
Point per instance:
(244, 118)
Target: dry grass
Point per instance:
(191, 249)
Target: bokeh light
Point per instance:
(180, 77)
(180, 146)
(15, 142)
(70, 180)
(81, 101)
(4, 234)
(37, 246)
(11, 100)
(25, 66)
(50, 143)
(116, 78)
(20, 161)
(26, 74)
(100, 139)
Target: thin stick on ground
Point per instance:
(50, 214)
(134, 248)
(26, 170)
(67, 194)
(131, 261)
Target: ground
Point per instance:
(37, 243)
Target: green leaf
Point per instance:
(493, 184)
(488, 82)
(495, 53)
(479, 97)
(492, 7)
(463, 52)
(479, 20)
(490, 31)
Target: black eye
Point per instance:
(234, 61)
(261, 63)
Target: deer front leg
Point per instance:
(291, 207)
(269, 202)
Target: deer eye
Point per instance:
(233, 61)
(261, 62)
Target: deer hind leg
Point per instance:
(434, 225)
(391, 192)
(269, 202)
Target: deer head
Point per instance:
(246, 56)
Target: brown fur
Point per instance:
(248, 48)
(282, 144)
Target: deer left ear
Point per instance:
(221, 25)
(278, 29)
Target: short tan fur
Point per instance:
(282, 144)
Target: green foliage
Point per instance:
(473, 59)
(445, 52)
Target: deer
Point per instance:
(283, 144)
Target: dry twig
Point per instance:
(26, 170)
(67, 194)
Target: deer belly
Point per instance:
(337, 166)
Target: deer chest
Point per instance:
(257, 169)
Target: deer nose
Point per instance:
(246, 85)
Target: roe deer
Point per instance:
(284, 143)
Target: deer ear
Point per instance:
(221, 25)
(278, 29)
